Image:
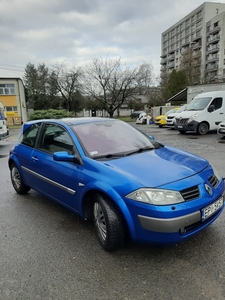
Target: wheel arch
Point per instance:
(203, 122)
(13, 160)
(114, 198)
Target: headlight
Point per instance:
(156, 196)
(192, 117)
(216, 173)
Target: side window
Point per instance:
(55, 138)
(217, 102)
(29, 136)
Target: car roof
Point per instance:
(71, 121)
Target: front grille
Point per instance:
(222, 125)
(190, 193)
(214, 181)
(180, 121)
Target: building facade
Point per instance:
(197, 40)
(12, 96)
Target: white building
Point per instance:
(202, 33)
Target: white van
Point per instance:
(205, 112)
(4, 129)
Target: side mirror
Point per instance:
(151, 137)
(65, 156)
(211, 108)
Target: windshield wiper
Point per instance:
(139, 150)
(110, 155)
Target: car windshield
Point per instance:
(182, 108)
(170, 111)
(112, 139)
(198, 103)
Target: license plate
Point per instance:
(180, 126)
(212, 208)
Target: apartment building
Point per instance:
(197, 41)
(12, 96)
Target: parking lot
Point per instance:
(47, 252)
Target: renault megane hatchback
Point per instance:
(107, 171)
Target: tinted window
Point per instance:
(29, 136)
(217, 102)
(55, 138)
(102, 138)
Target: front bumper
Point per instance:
(160, 122)
(169, 225)
(174, 223)
(4, 136)
(221, 131)
(190, 126)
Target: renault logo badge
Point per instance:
(208, 189)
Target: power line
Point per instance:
(4, 68)
(11, 67)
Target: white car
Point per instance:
(171, 117)
(221, 129)
(143, 119)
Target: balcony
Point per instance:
(212, 68)
(212, 58)
(171, 57)
(214, 39)
(163, 55)
(163, 61)
(213, 30)
(213, 48)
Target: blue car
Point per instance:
(107, 171)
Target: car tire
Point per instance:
(203, 128)
(17, 181)
(109, 224)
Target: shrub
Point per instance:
(50, 114)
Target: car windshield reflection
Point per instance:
(111, 139)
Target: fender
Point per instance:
(114, 196)
(14, 159)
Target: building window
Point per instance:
(11, 108)
(7, 89)
(199, 14)
(216, 24)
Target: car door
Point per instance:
(56, 179)
(217, 115)
(24, 150)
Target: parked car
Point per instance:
(171, 117)
(221, 129)
(144, 119)
(4, 128)
(204, 113)
(136, 114)
(107, 171)
(161, 119)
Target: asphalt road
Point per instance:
(47, 252)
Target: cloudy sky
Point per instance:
(75, 31)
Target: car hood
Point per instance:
(159, 167)
(161, 116)
(188, 113)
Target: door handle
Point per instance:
(34, 158)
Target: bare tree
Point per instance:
(66, 83)
(111, 83)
